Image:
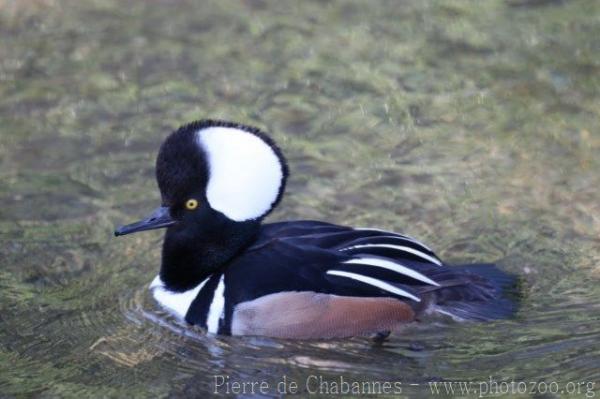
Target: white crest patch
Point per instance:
(245, 174)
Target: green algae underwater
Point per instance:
(473, 126)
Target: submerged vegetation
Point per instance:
(474, 126)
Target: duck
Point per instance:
(227, 271)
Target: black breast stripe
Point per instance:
(230, 302)
(198, 312)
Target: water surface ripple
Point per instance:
(472, 126)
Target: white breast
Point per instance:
(176, 303)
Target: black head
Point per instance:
(212, 170)
(217, 180)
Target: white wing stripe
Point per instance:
(395, 235)
(374, 282)
(399, 248)
(215, 312)
(393, 266)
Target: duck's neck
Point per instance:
(189, 256)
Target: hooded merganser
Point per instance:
(226, 271)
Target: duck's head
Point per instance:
(212, 176)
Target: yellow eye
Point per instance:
(191, 204)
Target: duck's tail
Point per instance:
(480, 292)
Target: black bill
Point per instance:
(158, 219)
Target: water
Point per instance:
(473, 126)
